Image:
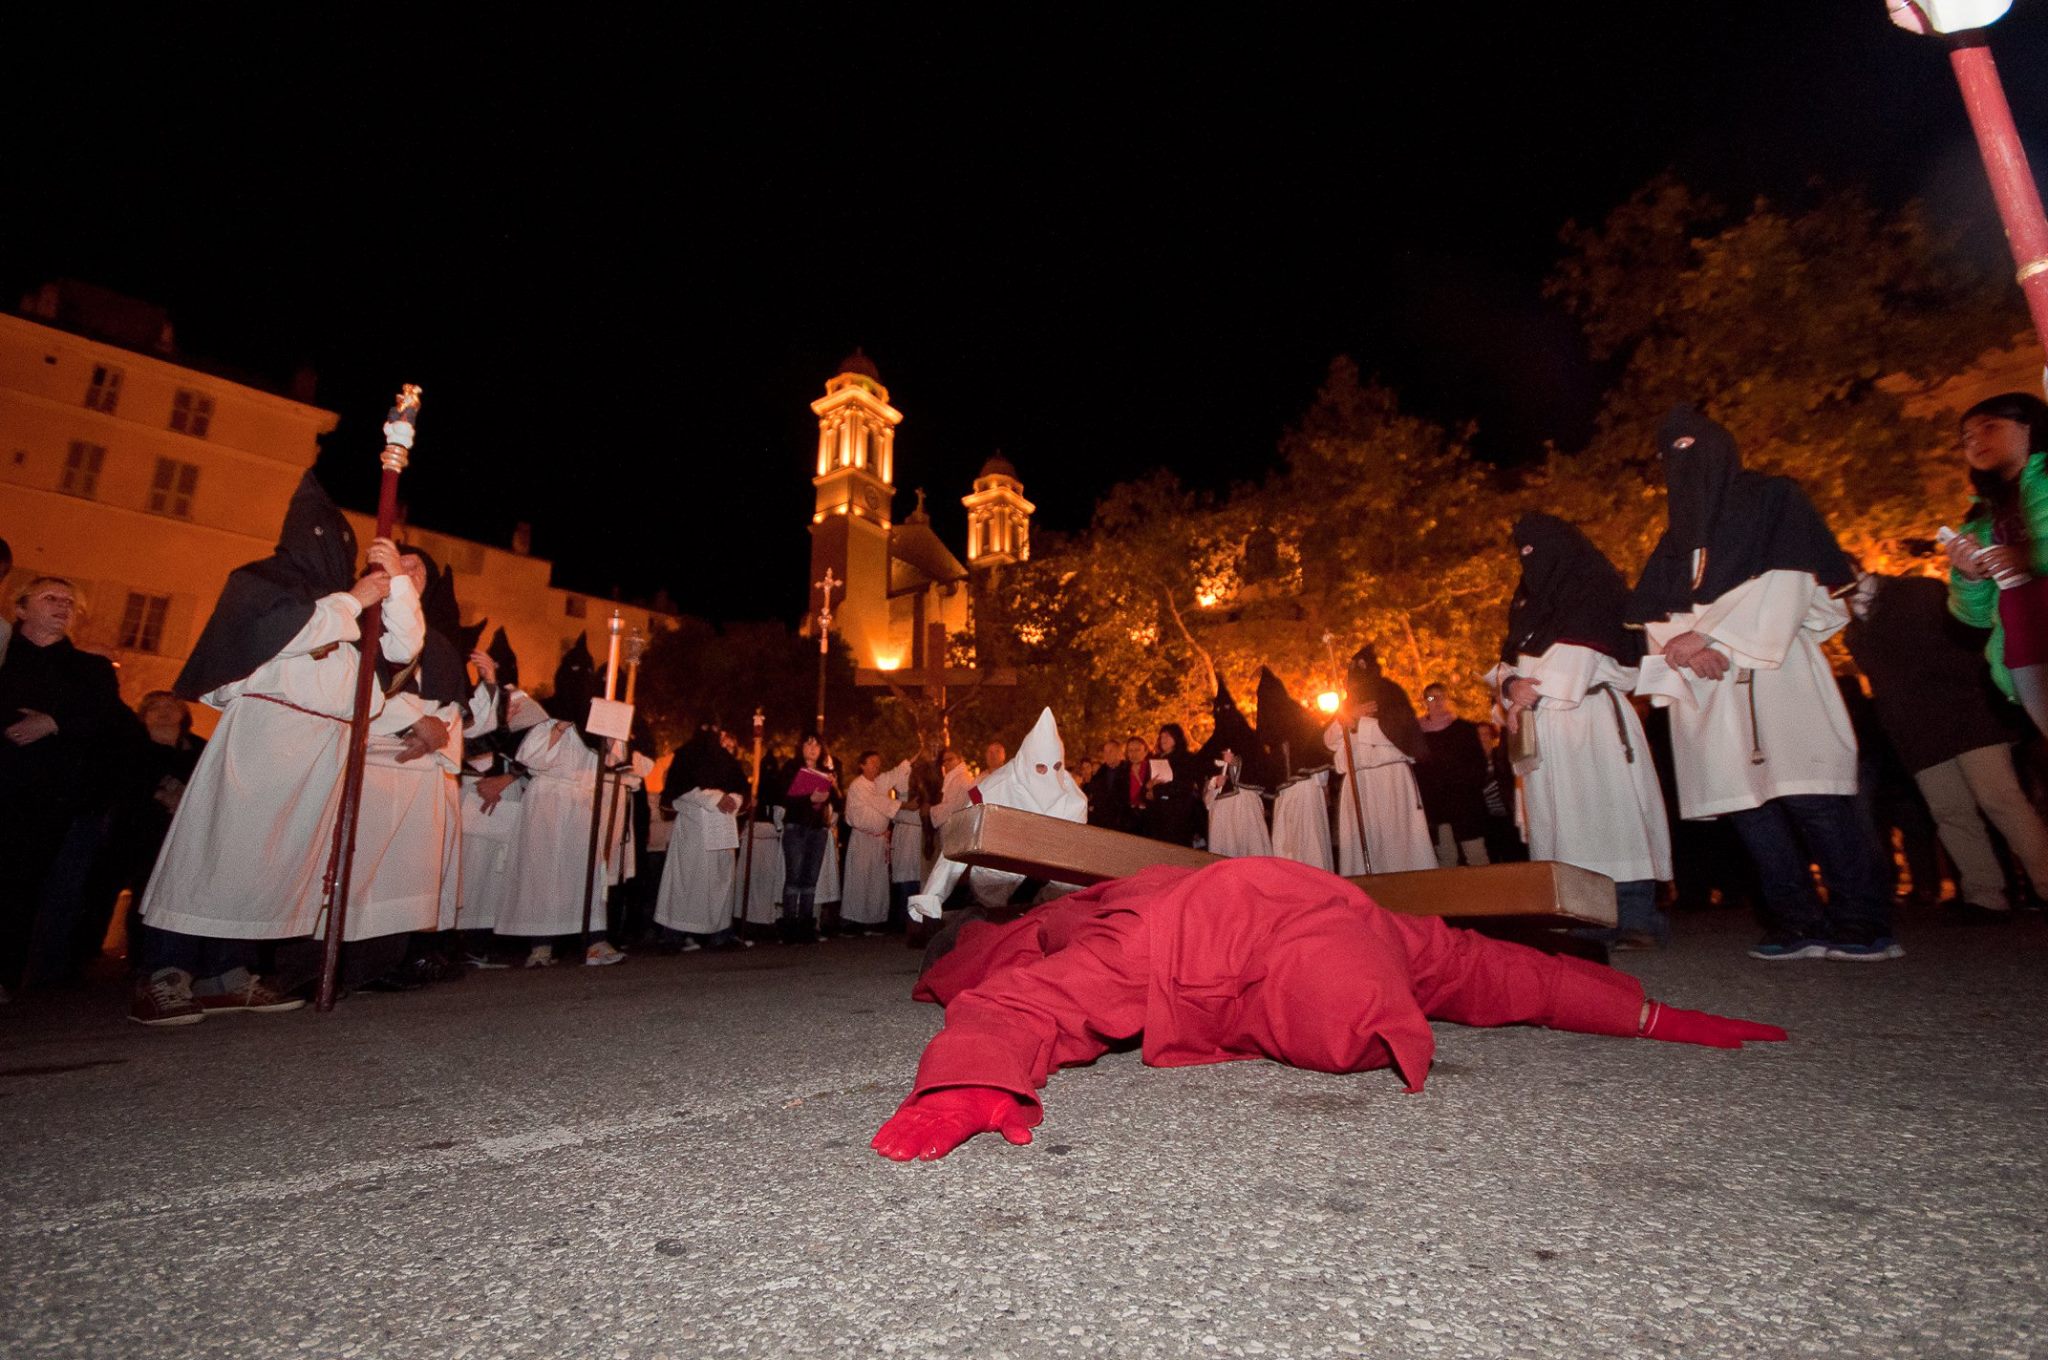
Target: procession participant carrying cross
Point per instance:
(1247, 958)
(1376, 740)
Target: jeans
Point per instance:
(203, 956)
(1635, 904)
(803, 858)
(1785, 837)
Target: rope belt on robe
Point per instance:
(1628, 748)
(1746, 676)
(286, 703)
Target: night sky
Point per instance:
(623, 256)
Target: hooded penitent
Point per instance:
(1291, 739)
(1036, 778)
(575, 686)
(265, 604)
(1569, 593)
(1726, 525)
(1366, 683)
(1234, 734)
(440, 674)
(500, 651)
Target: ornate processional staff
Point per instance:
(752, 817)
(399, 428)
(827, 585)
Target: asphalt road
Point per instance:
(670, 1158)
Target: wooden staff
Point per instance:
(399, 427)
(636, 647)
(753, 801)
(1345, 723)
(614, 627)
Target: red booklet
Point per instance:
(809, 781)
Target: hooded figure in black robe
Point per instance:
(1726, 525)
(1290, 740)
(1569, 592)
(1233, 733)
(265, 604)
(1366, 684)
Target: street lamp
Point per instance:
(1962, 23)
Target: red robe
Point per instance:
(1248, 958)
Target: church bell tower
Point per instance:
(998, 517)
(855, 486)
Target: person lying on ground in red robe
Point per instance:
(1249, 958)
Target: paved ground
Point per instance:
(670, 1159)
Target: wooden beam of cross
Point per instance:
(1539, 894)
(935, 691)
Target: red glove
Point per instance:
(927, 1127)
(1675, 1025)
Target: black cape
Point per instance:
(1569, 592)
(1290, 737)
(1365, 683)
(265, 604)
(1234, 734)
(1742, 523)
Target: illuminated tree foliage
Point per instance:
(1812, 334)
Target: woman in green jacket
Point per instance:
(1999, 563)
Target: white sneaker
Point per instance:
(543, 956)
(688, 945)
(482, 962)
(602, 955)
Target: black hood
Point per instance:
(1234, 734)
(1726, 525)
(442, 673)
(1291, 737)
(1366, 683)
(576, 685)
(1569, 592)
(264, 604)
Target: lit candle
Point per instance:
(611, 660)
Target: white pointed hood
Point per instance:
(1020, 784)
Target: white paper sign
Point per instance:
(609, 718)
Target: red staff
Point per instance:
(1963, 23)
(398, 435)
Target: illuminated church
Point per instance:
(896, 579)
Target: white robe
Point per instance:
(490, 848)
(1587, 803)
(956, 793)
(696, 893)
(406, 875)
(907, 863)
(1301, 821)
(828, 868)
(248, 847)
(1396, 832)
(1771, 629)
(1237, 824)
(764, 891)
(554, 838)
(870, 808)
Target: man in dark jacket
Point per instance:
(1934, 699)
(60, 714)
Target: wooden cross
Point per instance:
(933, 690)
(1509, 899)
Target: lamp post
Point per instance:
(1962, 23)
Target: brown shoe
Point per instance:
(258, 995)
(165, 998)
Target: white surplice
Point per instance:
(1593, 799)
(696, 894)
(1775, 724)
(762, 884)
(1396, 832)
(490, 845)
(907, 863)
(553, 857)
(870, 809)
(248, 847)
(1237, 824)
(1301, 821)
